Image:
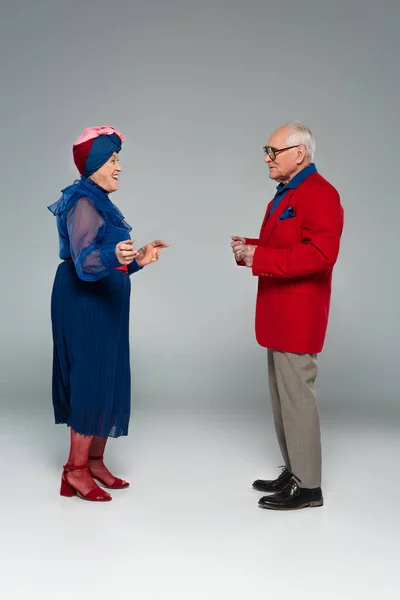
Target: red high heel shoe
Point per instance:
(68, 490)
(116, 485)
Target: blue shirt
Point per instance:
(282, 189)
(89, 227)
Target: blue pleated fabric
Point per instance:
(90, 315)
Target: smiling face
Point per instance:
(107, 176)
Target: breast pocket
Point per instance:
(287, 232)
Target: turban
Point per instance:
(95, 147)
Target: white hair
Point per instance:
(300, 134)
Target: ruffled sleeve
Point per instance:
(93, 260)
(133, 267)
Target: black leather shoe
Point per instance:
(275, 485)
(293, 497)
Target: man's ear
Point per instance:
(301, 154)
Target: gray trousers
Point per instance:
(294, 404)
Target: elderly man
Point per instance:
(293, 259)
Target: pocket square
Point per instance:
(287, 214)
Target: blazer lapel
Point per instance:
(267, 212)
(270, 222)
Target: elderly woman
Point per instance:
(90, 314)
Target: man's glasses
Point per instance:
(272, 152)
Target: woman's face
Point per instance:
(107, 176)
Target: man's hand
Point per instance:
(236, 245)
(150, 253)
(243, 252)
(125, 252)
(247, 253)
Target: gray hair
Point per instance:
(300, 134)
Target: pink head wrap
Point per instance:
(94, 147)
(93, 132)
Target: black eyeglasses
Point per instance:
(272, 152)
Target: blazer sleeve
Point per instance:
(318, 251)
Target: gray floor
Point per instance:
(189, 526)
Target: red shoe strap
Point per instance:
(69, 467)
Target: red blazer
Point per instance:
(294, 260)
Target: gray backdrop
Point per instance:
(197, 87)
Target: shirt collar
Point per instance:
(297, 179)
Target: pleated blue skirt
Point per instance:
(91, 369)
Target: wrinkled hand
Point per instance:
(150, 253)
(236, 245)
(125, 252)
(246, 253)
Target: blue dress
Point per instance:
(90, 314)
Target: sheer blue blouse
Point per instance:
(89, 227)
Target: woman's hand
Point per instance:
(150, 253)
(125, 252)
